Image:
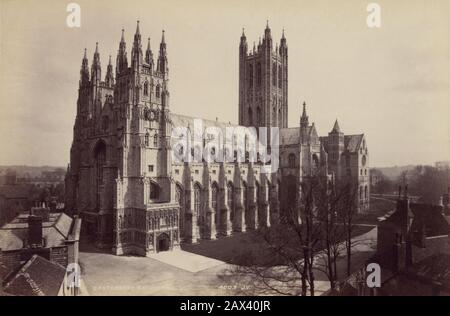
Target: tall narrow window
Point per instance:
(155, 140)
(258, 116)
(250, 116)
(245, 193)
(250, 76)
(146, 139)
(291, 159)
(146, 88)
(158, 91)
(197, 199)
(279, 77)
(230, 199)
(274, 74)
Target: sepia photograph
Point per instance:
(242, 150)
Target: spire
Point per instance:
(267, 31)
(96, 67)
(84, 71)
(136, 52)
(137, 28)
(122, 61)
(149, 54)
(243, 37)
(336, 128)
(283, 45)
(162, 58)
(304, 121)
(109, 79)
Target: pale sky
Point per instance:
(391, 83)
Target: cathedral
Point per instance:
(134, 198)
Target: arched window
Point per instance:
(197, 199)
(365, 192)
(158, 91)
(363, 160)
(274, 74)
(147, 139)
(280, 123)
(146, 88)
(279, 77)
(154, 191)
(361, 192)
(230, 199)
(250, 116)
(315, 160)
(291, 160)
(155, 140)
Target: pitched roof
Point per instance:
(54, 231)
(435, 268)
(37, 277)
(352, 143)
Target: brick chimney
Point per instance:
(34, 231)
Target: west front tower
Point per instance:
(263, 82)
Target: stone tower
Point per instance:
(263, 82)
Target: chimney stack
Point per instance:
(34, 231)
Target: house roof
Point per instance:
(37, 277)
(352, 143)
(55, 231)
(425, 216)
(434, 268)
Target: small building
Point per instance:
(52, 236)
(414, 250)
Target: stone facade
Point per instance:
(131, 195)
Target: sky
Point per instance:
(391, 83)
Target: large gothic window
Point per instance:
(146, 88)
(230, 199)
(250, 76)
(154, 191)
(258, 74)
(258, 116)
(100, 161)
(197, 200)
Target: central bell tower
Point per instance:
(263, 78)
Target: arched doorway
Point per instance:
(163, 242)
